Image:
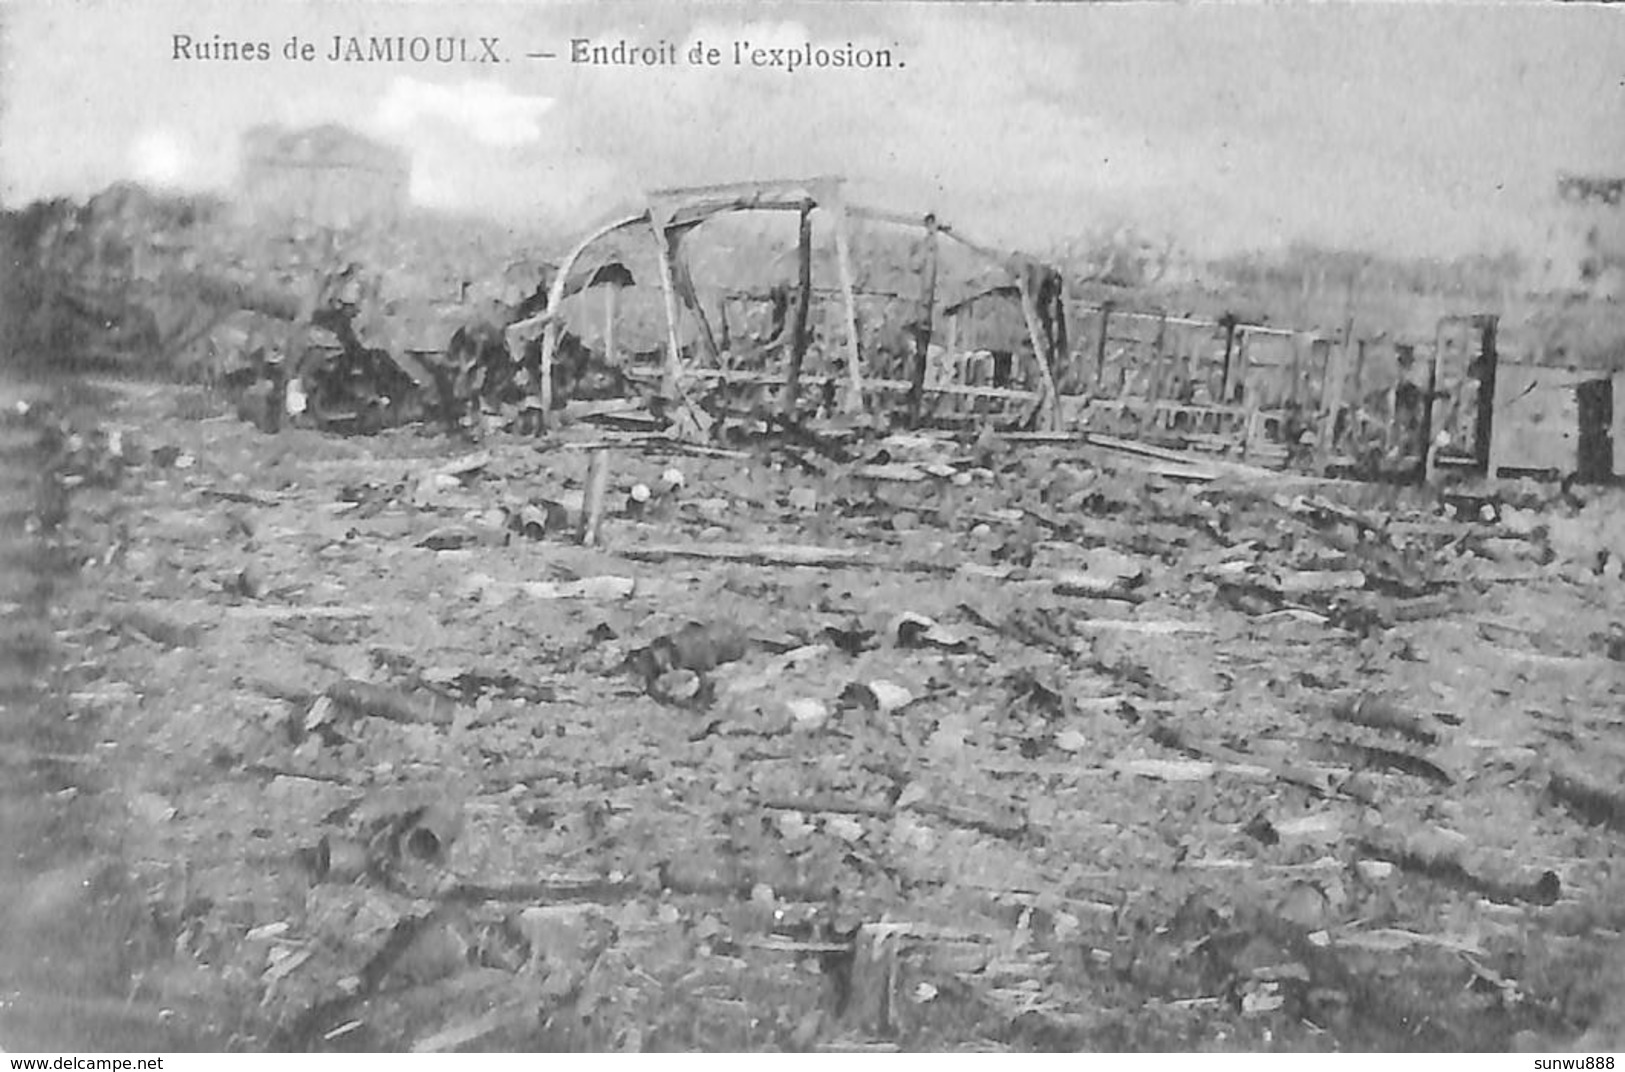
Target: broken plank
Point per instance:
(901, 472)
(771, 379)
(829, 805)
(1394, 940)
(1219, 468)
(278, 614)
(655, 444)
(1201, 471)
(1320, 780)
(586, 410)
(998, 822)
(1132, 446)
(776, 944)
(1160, 627)
(779, 555)
(1177, 472)
(769, 554)
(1046, 438)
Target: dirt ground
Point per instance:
(1042, 750)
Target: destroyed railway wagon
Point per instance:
(1215, 385)
(803, 353)
(989, 337)
(938, 343)
(1376, 406)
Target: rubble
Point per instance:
(835, 736)
(709, 722)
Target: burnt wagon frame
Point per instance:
(673, 213)
(1235, 416)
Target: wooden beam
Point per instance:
(1331, 392)
(550, 349)
(1100, 346)
(843, 262)
(1154, 389)
(612, 296)
(1185, 321)
(798, 327)
(1251, 425)
(1486, 361)
(590, 529)
(1359, 371)
(1228, 376)
(1055, 324)
(1297, 367)
(922, 321)
(1432, 409)
(901, 219)
(872, 386)
(766, 554)
(668, 289)
(725, 330)
(976, 247)
(1050, 399)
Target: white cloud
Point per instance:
(489, 112)
(161, 157)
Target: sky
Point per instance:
(1410, 129)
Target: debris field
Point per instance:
(919, 741)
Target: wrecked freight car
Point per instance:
(673, 311)
(844, 348)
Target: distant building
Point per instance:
(329, 175)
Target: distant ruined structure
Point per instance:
(328, 175)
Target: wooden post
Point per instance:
(1297, 365)
(1331, 393)
(1055, 325)
(1050, 400)
(550, 347)
(668, 290)
(592, 505)
(1390, 429)
(1100, 346)
(1229, 356)
(725, 331)
(956, 361)
(1359, 372)
(1484, 415)
(1158, 360)
(922, 323)
(1249, 394)
(843, 262)
(1431, 412)
(612, 294)
(798, 324)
